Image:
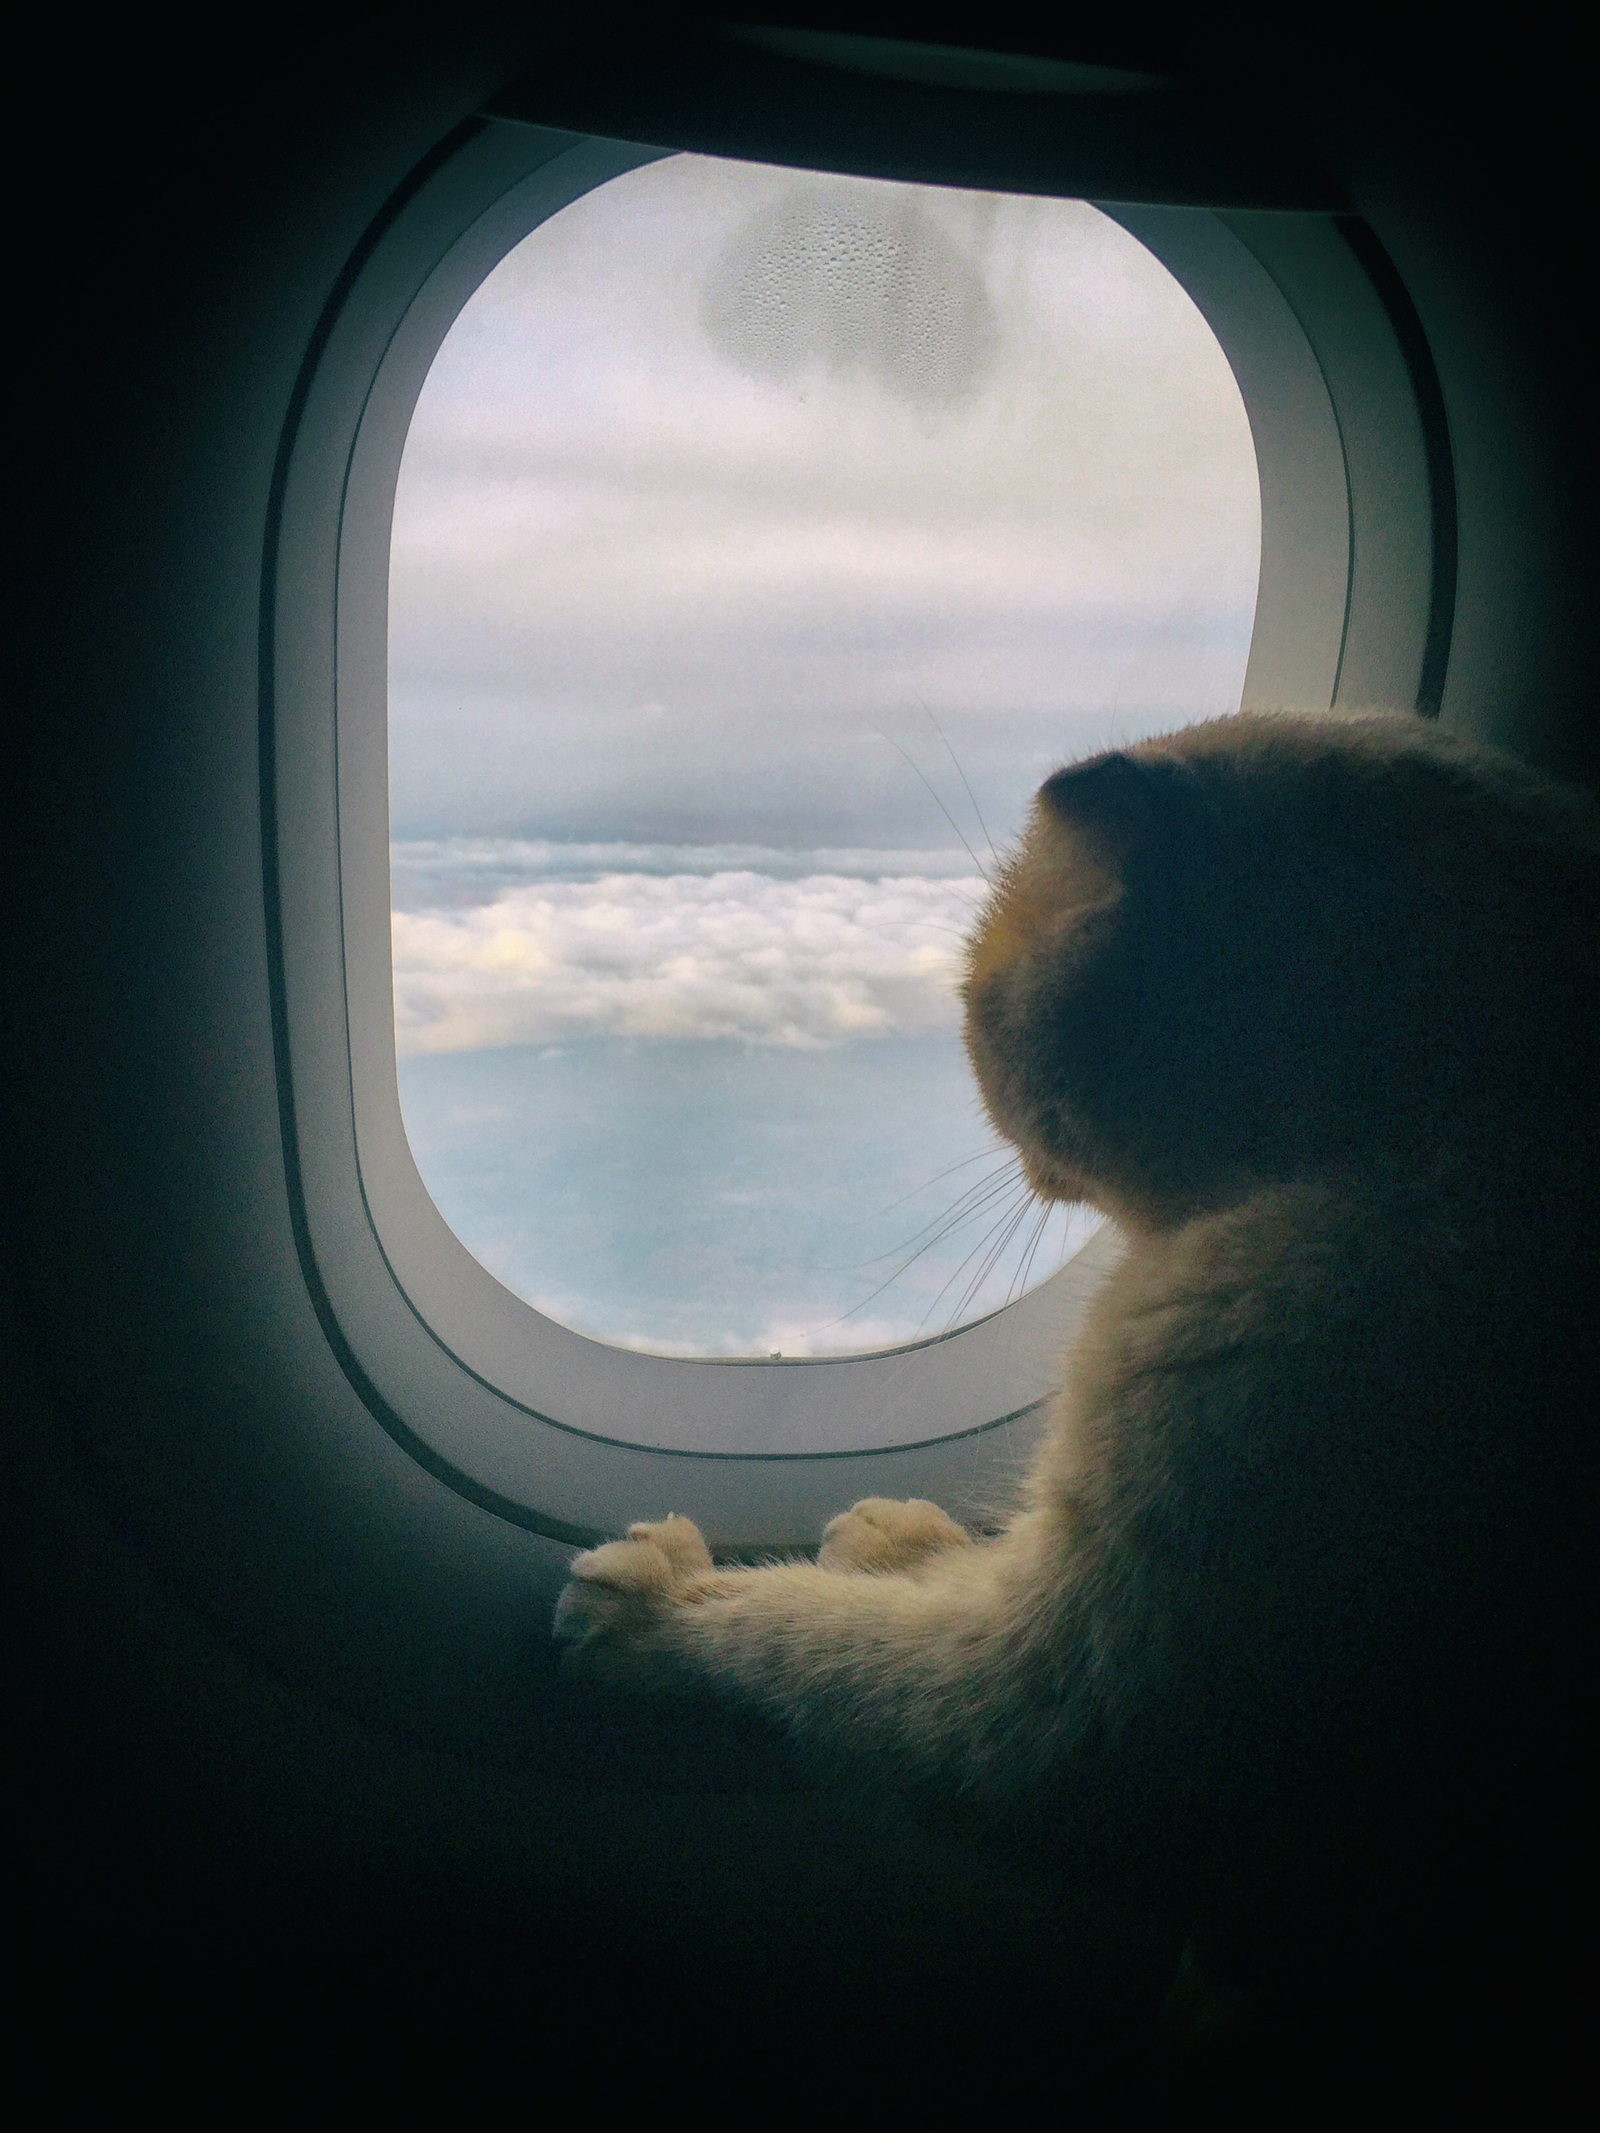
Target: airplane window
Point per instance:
(762, 538)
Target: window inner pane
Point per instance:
(762, 540)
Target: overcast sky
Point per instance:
(725, 466)
(742, 506)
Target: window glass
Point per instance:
(762, 540)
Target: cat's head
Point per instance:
(1268, 945)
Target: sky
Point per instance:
(762, 540)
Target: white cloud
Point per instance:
(805, 963)
(791, 1334)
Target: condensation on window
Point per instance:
(762, 540)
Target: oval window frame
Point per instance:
(511, 1409)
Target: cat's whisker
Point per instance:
(933, 794)
(974, 1287)
(994, 857)
(996, 1187)
(958, 1217)
(1043, 1231)
(890, 1279)
(929, 1243)
(937, 1179)
(922, 925)
(1007, 1215)
(970, 1203)
(990, 1267)
(1019, 1281)
(947, 1286)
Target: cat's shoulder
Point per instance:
(1345, 1296)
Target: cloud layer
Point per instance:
(803, 963)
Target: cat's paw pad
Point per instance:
(617, 1592)
(879, 1534)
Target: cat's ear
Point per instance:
(1119, 805)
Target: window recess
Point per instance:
(558, 1432)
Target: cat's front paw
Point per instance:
(881, 1535)
(618, 1593)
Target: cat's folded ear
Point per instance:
(1124, 805)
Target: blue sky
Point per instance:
(762, 540)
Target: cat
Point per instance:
(1307, 1006)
